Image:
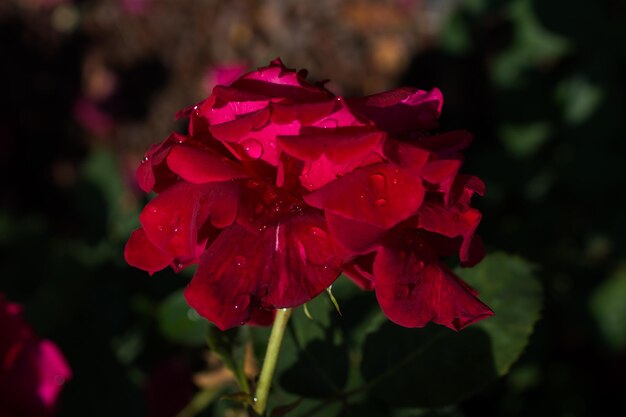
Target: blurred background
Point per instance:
(88, 85)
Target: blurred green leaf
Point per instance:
(608, 306)
(435, 366)
(101, 170)
(181, 323)
(579, 99)
(532, 46)
(523, 140)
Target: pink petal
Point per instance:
(284, 266)
(141, 253)
(381, 195)
(278, 81)
(305, 113)
(200, 166)
(340, 145)
(413, 290)
(401, 110)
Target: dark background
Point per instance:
(87, 86)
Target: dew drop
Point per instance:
(253, 148)
(240, 261)
(317, 232)
(154, 210)
(253, 184)
(176, 229)
(329, 124)
(377, 182)
(160, 228)
(259, 208)
(380, 202)
(269, 196)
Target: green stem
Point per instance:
(271, 357)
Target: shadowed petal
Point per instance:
(284, 266)
(401, 110)
(141, 253)
(173, 219)
(413, 290)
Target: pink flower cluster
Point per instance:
(32, 371)
(280, 186)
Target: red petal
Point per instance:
(401, 110)
(173, 219)
(446, 142)
(413, 290)
(381, 195)
(141, 253)
(201, 166)
(341, 145)
(285, 266)
(359, 271)
(152, 173)
(357, 237)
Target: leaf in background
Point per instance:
(180, 323)
(608, 306)
(434, 366)
(579, 98)
(523, 140)
(320, 358)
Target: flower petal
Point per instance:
(200, 166)
(173, 219)
(414, 289)
(401, 110)
(141, 253)
(355, 236)
(284, 266)
(381, 195)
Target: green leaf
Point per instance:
(181, 323)
(523, 140)
(608, 306)
(435, 366)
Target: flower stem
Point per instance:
(271, 357)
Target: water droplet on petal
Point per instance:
(240, 261)
(253, 184)
(176, 229)
(253, 148)
(154, 210)
(377, 182)
(259, 208)
(380, 202)
(329, 123)
(160, 228)
(317, 232)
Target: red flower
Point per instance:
(280, 186)
(32, 371)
